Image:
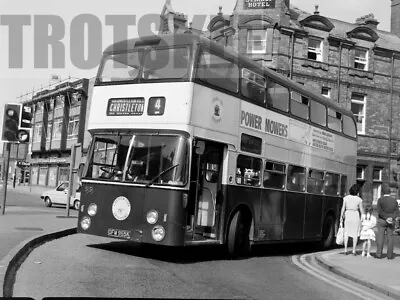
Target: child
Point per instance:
(368, 222)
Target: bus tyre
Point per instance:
(328, 233)
(238, 236)
(47, 202)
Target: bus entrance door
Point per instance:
(206, 171)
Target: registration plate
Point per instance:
(119, 233)
(125, 106)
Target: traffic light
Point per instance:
(25, 126)
(11, 122)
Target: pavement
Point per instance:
(24, 228)
(40, 225)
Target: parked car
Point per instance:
(59, 194)
(398, 202)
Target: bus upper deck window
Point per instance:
(253, 86)
(120, 67)
(334, 120)
(218, 71)
(277, 96)
(166, 63)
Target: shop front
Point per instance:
(49, 171)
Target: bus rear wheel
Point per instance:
(328, 233)
(238, 236)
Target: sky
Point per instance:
(26, 67)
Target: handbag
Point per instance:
(340, 236)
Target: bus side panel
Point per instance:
(272, 213)
(237, 195)
(294, 216)
(313, 216)
(332, 204)
(168, 204)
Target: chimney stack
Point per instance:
(395, 17)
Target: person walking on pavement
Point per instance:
(351, 211)
(368, 222)
(388, 210)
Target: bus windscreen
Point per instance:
(145, 65)
(147, 159)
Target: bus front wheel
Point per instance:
(238, 235)
(328, 233)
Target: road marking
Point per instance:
(301, 262)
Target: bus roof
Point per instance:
(187, 39)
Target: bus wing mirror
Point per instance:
(200, 146)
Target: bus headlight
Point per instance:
(158, 233)
(85, 223)
(152, 217)
(92, 209)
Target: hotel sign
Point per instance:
(259, 4)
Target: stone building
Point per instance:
(355, 64)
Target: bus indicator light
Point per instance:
(85, 223)
(92, 209)
(156, 106)
(152, 217)
(158, 233)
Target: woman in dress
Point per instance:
(352, 209)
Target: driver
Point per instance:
(134, 171)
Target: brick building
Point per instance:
(355, 64)
(59, 122)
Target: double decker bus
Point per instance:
(195, 144)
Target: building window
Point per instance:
(358, 102)
(73, 127)
(50, 106)
(39, 107)
(59, 105)
(37, 132)
(42, 175)
(377, 174)
(75, 99)
(360, 173)
(63, 174)
(326, 92)
(314, 49)
(361, 59)
(376, 184)
(57, 129)
(256, 41)
(49, 130)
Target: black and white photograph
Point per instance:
(181, 149)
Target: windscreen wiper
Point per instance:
(160, 174)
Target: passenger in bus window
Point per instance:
(267, 178)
